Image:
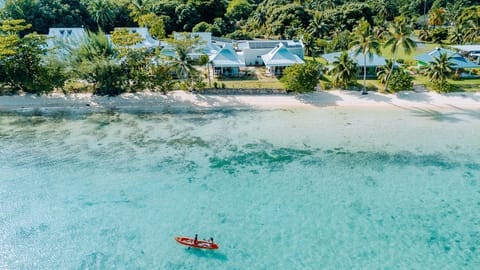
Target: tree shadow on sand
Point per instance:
(414, 96)
(319, 99)
(467, 112)
(372, 96)
(436, 115)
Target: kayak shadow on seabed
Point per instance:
(213, 254)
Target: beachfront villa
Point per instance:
(279, 58)
(226, 62)
(226, 56)
(253, 50)
(373, 63)
(460, 63)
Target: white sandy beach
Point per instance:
(181, 99)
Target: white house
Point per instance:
(226, 62)
(279, 58)
(252, 50)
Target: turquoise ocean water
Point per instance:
(319, 188)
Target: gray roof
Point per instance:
(227, 57)
(267, 44)
(65, 39)
(456, 59)
(467, 48)
(280, 56)
(147, 42)
(374, 61)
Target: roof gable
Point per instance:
(458, 60)
(280, 56)
(227, 57)
(147, 42)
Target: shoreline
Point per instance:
(150, 101)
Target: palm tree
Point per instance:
(205, 61)
(96, 60)
(138, 8)
(424, 35)
(317, 27)
(399, 38)
(344, 71)
(439, 68)
(470, 34)
(436, 16)
(383, 72)
(365, 43)
(181, 61)
(456, 35)
(102, 13)
(454, 10)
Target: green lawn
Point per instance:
(409, 58)
(256, 80)
(252, 84)
(466, 85)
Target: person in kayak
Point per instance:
(210, 242)
(195, 240)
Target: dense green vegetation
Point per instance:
(302, 78)
(324, 26)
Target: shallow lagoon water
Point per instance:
(317, 188)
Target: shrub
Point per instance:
(301, 78)
(444, 87)
(400, 81)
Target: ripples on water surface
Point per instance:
(322, 188)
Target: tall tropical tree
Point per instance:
(138, 8)
(439, 68)
(96, 61)
(205, 61)
(399, 38)
(317, 28)
(344, 71)
(436, 16)
(181, 61)
(102, 13)
(383, 72)
(454, 10)
(365, 43)
(471, 31)
(424, 35)
(456, 35)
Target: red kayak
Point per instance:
(188, 241)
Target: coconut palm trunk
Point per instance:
(208, 74)
(364, 91)
(390, 71)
